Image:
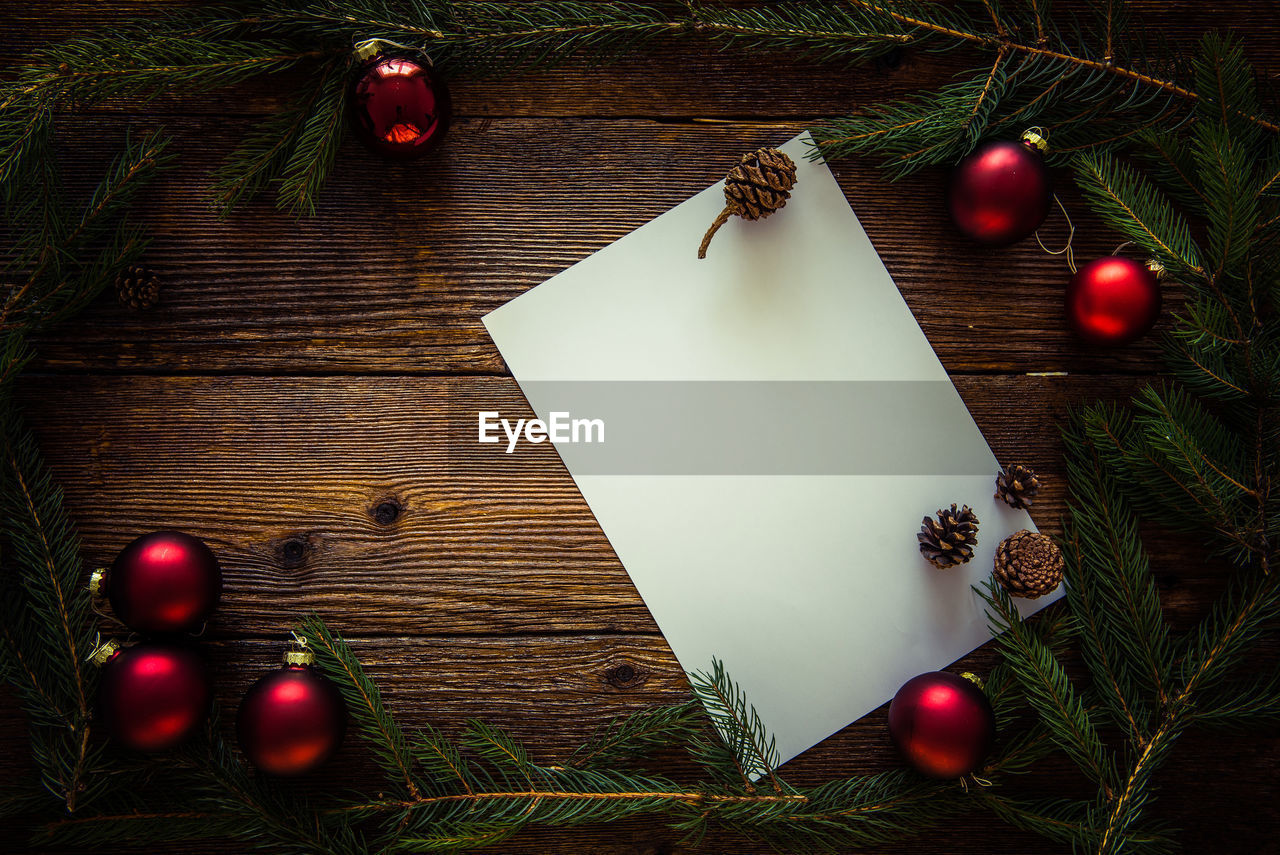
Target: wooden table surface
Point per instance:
(287, 401)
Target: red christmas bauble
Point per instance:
(163, 582)
(1113, 300)
(291, 720)
(399, 107)
(1000, 193)
(942, 724)
(154, 696)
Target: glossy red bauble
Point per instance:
(163, 582)
(291, 721)
(1113, 300)
(1000, 193)
(154, 696)
(942, 724)
(399, 107)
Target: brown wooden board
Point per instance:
(288, 399)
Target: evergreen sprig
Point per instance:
(1196, 453)
(1091, 83)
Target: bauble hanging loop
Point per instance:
(1000, 192)
(759, 184)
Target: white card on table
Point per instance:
(775, 426)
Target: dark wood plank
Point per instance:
(395, 273)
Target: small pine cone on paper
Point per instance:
(1028, 565)
(948, 540)
(1017, 486)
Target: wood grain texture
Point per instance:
(290, 401)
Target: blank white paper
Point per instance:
(810, 588)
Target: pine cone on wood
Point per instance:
(1028, 564)
(1017, 486)
(948, 540)
(138, 287)
(757, 186)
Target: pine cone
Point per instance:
(138, 287)
(757, 186)
(1028, 564)
(949, 539)
(1017, 486)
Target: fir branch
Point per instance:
(1133, 207)
(318, 136)
(52, 652)
(754, 751)
(51, 278)
(1114, 605)
(383, 734)
(1241, 707)
(826, 32)
(262, 155)
(1236, 621)
(638, 734)
(1049, 692)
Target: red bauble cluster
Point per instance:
(291, 720)
(157, 694)
(399, 107)
(153, 696)
(1113, 300)
(163, 582)
(942, 724)
(1000, 193)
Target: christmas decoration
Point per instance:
(1114, 300)
(757, 186)
(152, 696)
(399, 106)
(1028, 564)
(942, 724)
(138, 287)
(291, 720)
(1000, 193)
(1093, 89)
(163, 582)
(948, 540)
(1017, 486)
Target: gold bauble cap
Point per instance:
(104, 652)
(1035, 139)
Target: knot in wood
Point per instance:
(387, 512)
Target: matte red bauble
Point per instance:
(153, 696)
(1113, 300)
(942, 724)
(399, 107)
(1000, 193)
(163, 582)
(291, 720)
